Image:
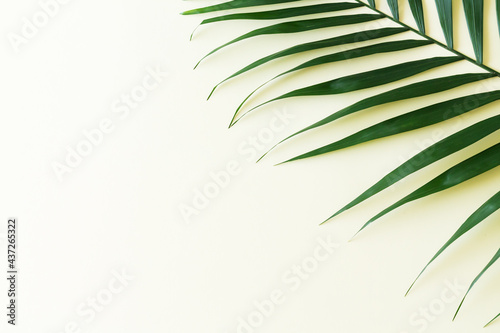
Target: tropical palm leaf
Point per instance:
(410, 91)
(394, 6)
(366, 80)
(497, 316)
(474, 15)
(344, 55)
(418, 13)
(492, 261)
(445, 11)
(235, 4)
(423, 117)
(301, 26)
(481, 162)
(468, 169)
(284, 13)
(488, 208)
(316, 45)
(498, 15)
(434, 153)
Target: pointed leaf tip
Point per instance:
(491, 321)
(483, 212)
(490, 263)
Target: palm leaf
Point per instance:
(478, 164)
(466, 170)
(284, 13)
(475, 21)
(445, 11)
(492, 261)
(423, 117)
(436, 152)
(366, 80)
(316, 45)
(498, 316)
(301, 26)
(394, 7)
(488, 208)
(498, 18)
(235, 4)
(418, 14)
(410, 91)
(345, 55)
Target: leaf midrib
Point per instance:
(465, 57)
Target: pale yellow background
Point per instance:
(120, 208)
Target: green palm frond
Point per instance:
(445, 12)
(498, 15)
(301, 26)
(468, 169)
(235, 4)
(498, 316)
(410, 91)
(417, 10)
(488, 208)
(475, 16)
(394, 7)
(284, 13)
(366, 80)
(434, 153)
(347, 14)
(316, 45)
(341, 56)
(492, 261)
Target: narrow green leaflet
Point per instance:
(488, 208)
(234, 5)
(418, 13)
(474, 12)
(293, 19)
(492, 261)
(498, 316)
(436, 152)
(498, 18)
(320, 44)
(423, 117)
(445, 11)
(410, 91)
(301, 26)
(345, 55)
(468, 169)
(284, 13)
(368, 79)
(394, 6)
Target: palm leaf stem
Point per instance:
(465, 57)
